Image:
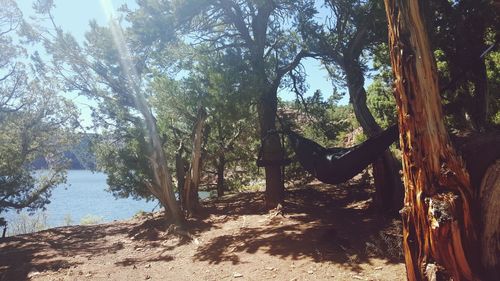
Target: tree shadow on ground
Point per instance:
(322, 222)
(154, 257)
(48, 250)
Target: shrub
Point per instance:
(91, 219)
(25, 223)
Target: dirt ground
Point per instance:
(321, 233)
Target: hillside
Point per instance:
(81, 156)
(321, 233)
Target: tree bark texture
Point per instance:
(161, 185)
(439, 234)
(180, 173)
(192, 180)
(221, 164)
(272, 151)
(490, 226)
(388, 185)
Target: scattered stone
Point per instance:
(237, 275)
(147, 265)
(33, 273)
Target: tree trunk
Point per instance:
(439, 234)
(490, 227)
(221, 163)
(479, 106)
(161, 186)
(271, 144)
(388, 186)
(180, 173)
(193, 178)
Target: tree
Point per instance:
(271, 50)
(230, 140)
(34, 120)
(439, 229)
(354, 28)
(461, 31)
(107, 70)
(215, 81)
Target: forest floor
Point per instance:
(322, 232)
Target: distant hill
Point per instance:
(81, 155)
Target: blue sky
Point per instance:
(74, 16)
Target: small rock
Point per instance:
(378, 268)
(310, 271)
(294, 279)
(270, 268)
(134, 267)
(147, 265)
(139, 249)
(237, 275)
(33, 273)
(170, 268)
(147, 277)
(88, 275)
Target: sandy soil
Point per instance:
(321, 233)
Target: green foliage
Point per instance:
(215, 82)
(325, 121)
(124, 159)
(380, 101)
(140, 214)
(91, 219)
(460, 32)
(35, 121)
(493, 71)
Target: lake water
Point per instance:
(85, 195)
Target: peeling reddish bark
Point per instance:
(439, 234)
